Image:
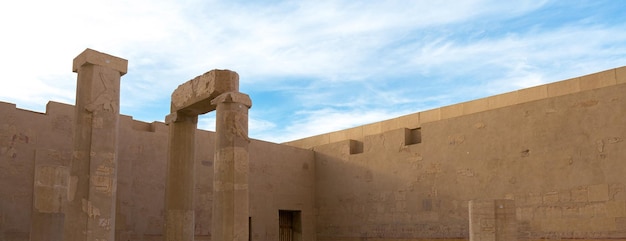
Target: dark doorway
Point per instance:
(290, 225)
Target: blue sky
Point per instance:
(310, 67)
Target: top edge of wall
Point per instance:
(574, 85)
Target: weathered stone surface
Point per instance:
(560, 158)
(90, 56)
(231, 168)
(493, 220)
(91, 204)
(216, 89)
(179, 190)
(194, 96)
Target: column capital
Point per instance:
(90, 56)
(233, 97)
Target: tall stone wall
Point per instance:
(35, 153)
(35, 157)
(560, 159)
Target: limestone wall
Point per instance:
(559, 153)
(35, 154)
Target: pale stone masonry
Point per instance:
(492, 220)
(231, 168)
(214, 90)
(92, 182)
(552, 156)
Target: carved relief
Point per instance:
(103, 178)
(106, 99)
(236, 125)
(90, 210)
(50, 186)
(10, 137)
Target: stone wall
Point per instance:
(36, 150)
(557, 151)
(588, 82)
(561, 158)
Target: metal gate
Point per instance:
(285, 222)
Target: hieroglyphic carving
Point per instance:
(90, 210)
(103, 178)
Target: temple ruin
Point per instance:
(542, 163)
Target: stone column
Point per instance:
(90, 213)
(492, 220)
(180, 186)
(189, 100)
(230, 180)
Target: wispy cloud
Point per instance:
(310, 66)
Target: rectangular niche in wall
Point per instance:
(412, 136)
(290, 225)
(356, 147)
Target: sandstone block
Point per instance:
(430, 115)
(451, 111)
(372, 129)
(598, 80)
(616, 208)
(598, 193)
(475, 106)
(355, 133)
(620, 75)
(195, 96)
(390, 125)
(337, 136)
(563, 87)
(503, 100)
(409, 121)
(90, 56)
(533, 93)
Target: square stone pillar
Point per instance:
(179, 208)
(231, 168)
(492, 220)
(189, 100)
(90, 212)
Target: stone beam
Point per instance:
(194, 96)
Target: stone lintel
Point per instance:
(90, 56)
(233, 97)
(194, 96)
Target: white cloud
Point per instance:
(321, 121)
(345, 62)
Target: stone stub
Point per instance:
(492, 220)
(90, 56)
(234, 97)
(194, 96)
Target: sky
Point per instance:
(310, 67)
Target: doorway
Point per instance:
(290, 225)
